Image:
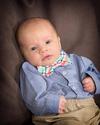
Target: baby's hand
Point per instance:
(88, 84)
(62, 103)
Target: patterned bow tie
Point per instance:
(48, 70)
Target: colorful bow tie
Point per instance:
(48, 70)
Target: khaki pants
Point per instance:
(77, 112)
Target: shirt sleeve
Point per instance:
(91, 70)
(34, 92)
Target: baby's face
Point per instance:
(40, 44)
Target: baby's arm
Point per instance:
(92, 75)
(88, 84)
(38, 99)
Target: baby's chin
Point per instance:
(47, 63)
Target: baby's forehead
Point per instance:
(32, 26)
(36, 23)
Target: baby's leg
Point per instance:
(77, 112)
(68, 122)
(63, 121)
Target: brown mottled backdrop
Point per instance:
(78, 24)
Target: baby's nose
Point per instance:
(43, 49)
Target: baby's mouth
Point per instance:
(47, 57)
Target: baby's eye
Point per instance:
(47, 42)
(33, 48)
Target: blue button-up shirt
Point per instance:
(41, 94)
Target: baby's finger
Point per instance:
(86, 80)
(86, 85)
(87, 88)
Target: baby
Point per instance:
(57, 87)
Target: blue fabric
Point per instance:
(41, 94)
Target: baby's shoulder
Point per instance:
(26, 66)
